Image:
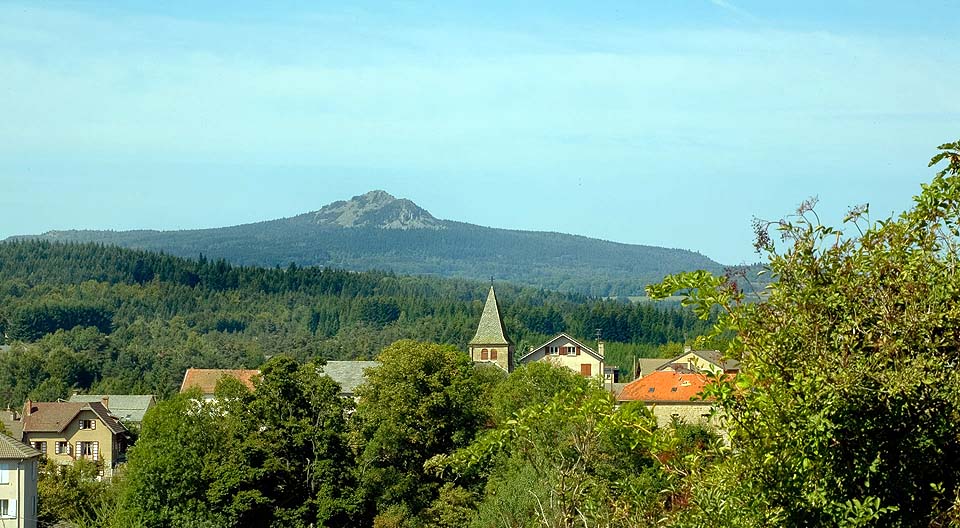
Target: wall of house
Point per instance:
(73, 434)
(697, 413)
(21, 488)
(572, 362)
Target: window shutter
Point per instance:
(4, 474)
(96, 450)
(79, 449)
(93, 424)
(13, 508)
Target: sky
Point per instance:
(661, 123)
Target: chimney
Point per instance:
(76, 392)
(28, 408)
(600, 348)
(687, 349)
(106, 401)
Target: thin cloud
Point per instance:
(723, 4)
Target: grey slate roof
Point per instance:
(10, 448)
(490, 330)
(129, 407)
(349, 374)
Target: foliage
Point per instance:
(72, 493)
(423, 400)
(274, 457)
(845, 412)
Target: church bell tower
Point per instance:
(491, 344)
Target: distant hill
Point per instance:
(379, 231)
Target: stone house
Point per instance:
(672, 396)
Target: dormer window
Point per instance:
(88, 424)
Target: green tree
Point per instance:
(423, 400)
(845, 412)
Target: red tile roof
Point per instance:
(207, 379)
(664, 386)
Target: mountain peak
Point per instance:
(378, 209)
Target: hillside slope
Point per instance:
(378, 231)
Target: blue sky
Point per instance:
(667, 123)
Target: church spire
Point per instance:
(490, 330)
(491, 344)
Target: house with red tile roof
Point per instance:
(206, 379)
(672, 395)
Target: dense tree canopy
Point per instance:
(847, 408)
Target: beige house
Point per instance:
(704, 361)
(565, 351)
(67, 431)
(18, 484)
(491, 344)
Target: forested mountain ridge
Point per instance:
(376, 231)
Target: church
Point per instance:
(491, 345)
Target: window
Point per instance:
(8, 509)
(484, 354)
(571, 351)
(89, 450)
(5, 473)
(586, 370)
(651, 389)
(553, 351)
(88, 424)
(40, 446)
(61, 448)
(493, 354)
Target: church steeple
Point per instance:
(491, 344)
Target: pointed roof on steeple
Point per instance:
(490, 330)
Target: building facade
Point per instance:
(19, 471)
(565, 351)
(68, 431)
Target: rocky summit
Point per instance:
(377, 209)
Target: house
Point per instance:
(491, 344)
(19, 469)
(566, 351)
(67, 431)
(672, 395)
(706, 361)
(128, 408)
(349, 374)
(206, 379)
